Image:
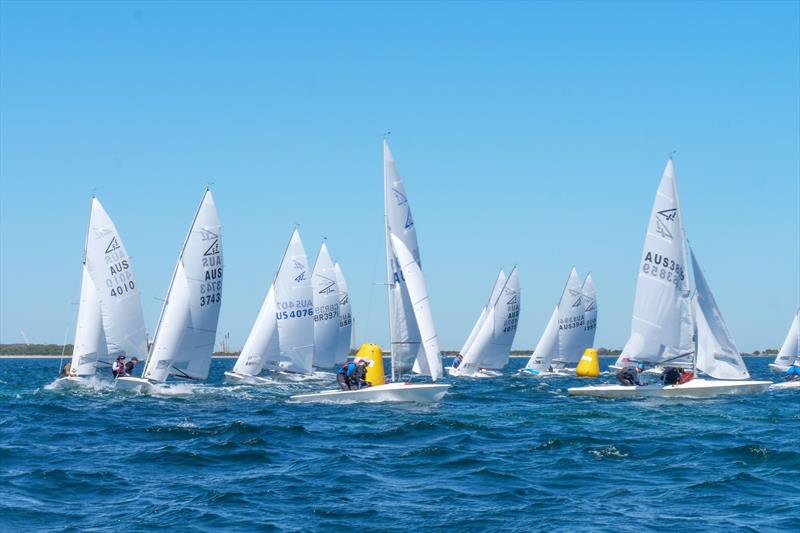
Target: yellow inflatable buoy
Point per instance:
(589, 365)
(374, 353)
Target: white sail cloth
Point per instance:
(431, 363)
(110, 319)
(564, 337)
(326, 310)
(406, 340)
(790, 350)
(657, 326)
(589, 311)
(717, 354)
(345, 315)
(489, 344)
(187, 328)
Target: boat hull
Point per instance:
(133, 384)
(483, 373)
(778, 368)
(234, 378)
(559, 373)
(391, 392)
(697, 388)
(786, 385)
(70, 382)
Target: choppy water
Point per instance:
(508, 454)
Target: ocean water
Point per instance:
(506, 454)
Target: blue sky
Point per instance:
(527, 133)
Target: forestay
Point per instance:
(345, 315)
(294, 311)
(790, 351)
(717, 354)
(662, 284)
(406, 340)
(431, 363)
(326, 310)
(187, 328)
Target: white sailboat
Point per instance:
(187, 328)
(415, 345)
(564, 338)
(345, 315)
(110, 319)
(486, 350)
(282, 338)
(589, 311)
(663, 308)
(326, 310)
(790, 350)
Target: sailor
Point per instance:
(793, 373)
(457, 360)
(118, 367)
(345, 375)
(686, 377)
(629, 376)
(670, 376)
(66, 370)
(130, 365)
(360, 374)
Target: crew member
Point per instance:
(118, 367)
(670, 376)
(345, 375)
(793, 373)
(66, 370)
(629, 376)
(457, 360)
(130, 365)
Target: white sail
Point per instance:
(563, 338)
(262, 342)
(406, 341)
(717, 354)
(662, 285)
(498, 286)
(790, 351)
(294, 306)
(111, 269)
(90, 340)
(326, 310)
(186, 331)
(431, 363)
(489, 347)
(589, 311)
(505, 320)
(547, 348)
(345, 315)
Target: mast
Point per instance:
(389, 261)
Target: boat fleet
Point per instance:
(305, 322)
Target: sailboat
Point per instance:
(790, 350)
(282, 338)
(187, 327)
(110, 319)
(564, 338)
(415, 345)
(326, 310)
(486, 350)
(664, 306)
(345, 314)
(589, 311)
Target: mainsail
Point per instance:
(659, 309)
(110, 320)
(589, 311)
(790, 351)
(262, 342)
(294, 314)
(431, 363)
(489, 347)
(717, 354)
(499, 283)
(563, 338)
(187, 328)
(345, 314)
(326, 310)
(406, 341)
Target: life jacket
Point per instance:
(686, 377)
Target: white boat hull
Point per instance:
(786, 385)
(132, 384)
(390, 392)
(697, 388)
(778, 368)
(234, 378)
(557, 373)
(482, 373)
(70, 382)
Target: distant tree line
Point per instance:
(34, 349)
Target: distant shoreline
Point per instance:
(385, 356)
